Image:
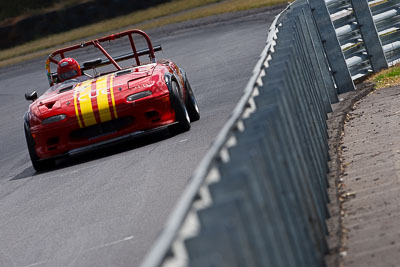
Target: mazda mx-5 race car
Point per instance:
(82, 111)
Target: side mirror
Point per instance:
(31, 96)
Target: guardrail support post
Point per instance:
(370, 35)
(332, 47)
(319, 50)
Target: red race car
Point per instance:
(82, 112)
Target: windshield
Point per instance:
(68, 84)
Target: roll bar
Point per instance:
(110, 60)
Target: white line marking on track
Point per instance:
(98, 247)
(112, 243)
(35, 264)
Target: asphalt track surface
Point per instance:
(106, 208)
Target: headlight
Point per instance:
(54, 119)
(138, 96)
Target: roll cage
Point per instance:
(150, 50)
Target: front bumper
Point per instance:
(62, 139)
(109, 142)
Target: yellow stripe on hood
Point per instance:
(85, 103)
(112, 96)
(102, 99)
(76, 106)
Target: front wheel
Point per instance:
(191, 103)
(38, 165)
(181, 113)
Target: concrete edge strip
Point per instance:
(337, 121)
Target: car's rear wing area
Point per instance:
(135, 54)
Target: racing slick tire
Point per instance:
(38, 165)
(181, 113)
(191, 103)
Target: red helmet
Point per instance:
(68, 68)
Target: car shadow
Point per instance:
(113, 149)
(27, 173)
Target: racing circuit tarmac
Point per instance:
(106, 208)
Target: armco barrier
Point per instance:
(258, 197)
(368, 32)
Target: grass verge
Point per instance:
(171, 12)
(387, 78)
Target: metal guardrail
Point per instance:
(195, 191)
(258, 197)
(368, 32)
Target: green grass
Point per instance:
(387, 78)
(163, 14)
(11, 10)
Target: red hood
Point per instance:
(87, 98)
(60, 94)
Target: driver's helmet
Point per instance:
(68, 68)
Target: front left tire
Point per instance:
(181, 113)
(191, 103)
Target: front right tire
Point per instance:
(38, 165)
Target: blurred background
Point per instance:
(25, 20)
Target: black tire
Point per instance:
(191, 103)
(38, 165)
(181, 113)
